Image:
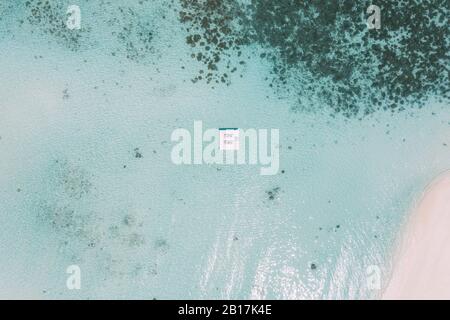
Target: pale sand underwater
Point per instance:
(86, 119)
(422, 266)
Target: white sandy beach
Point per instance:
(421, 267)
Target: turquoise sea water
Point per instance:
(86, 177)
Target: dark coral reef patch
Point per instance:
(214, 33)
(324, 52)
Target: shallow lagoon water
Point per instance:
(86, 176)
